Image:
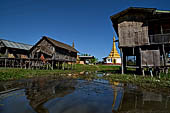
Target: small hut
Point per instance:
(84, 59)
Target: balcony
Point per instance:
(159, 38)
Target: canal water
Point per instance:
(58, 95)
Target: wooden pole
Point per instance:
(71, 66)
(143, 72)
(6, 56)
(122, 63)
(29, 67)
(164, 57)
(63, 65)
(52, 64)
(58, 65)
(5, 62)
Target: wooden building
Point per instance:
(84, 59)
(144, 33)
(13, 54)
(53, 52)
(10, 49)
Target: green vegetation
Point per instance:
(162, 83)
(146, 82)
(17, 73)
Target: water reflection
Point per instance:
(128, 98)
(53, 95)
(42, 90)
(118, 95)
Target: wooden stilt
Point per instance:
(63, 65)
(71, 66)
(143, 72)
(52, 65)
(29, 65)
(58, 65)
(151, 72)
(5, 62)
(122, 63)
(164, 57)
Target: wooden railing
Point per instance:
(159, 38)
(65, 58)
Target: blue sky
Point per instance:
(86, 22)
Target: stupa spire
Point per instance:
(114, 53)
(73, 44)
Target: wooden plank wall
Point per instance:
(54, 53)
(150, 57)
(132, 32)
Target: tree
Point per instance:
(94, 60)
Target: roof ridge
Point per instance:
(58, 41)
(68, 46)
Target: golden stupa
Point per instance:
(114, 53)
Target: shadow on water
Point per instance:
(53, 95)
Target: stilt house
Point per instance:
(144, 33)
(10, 49)
(53, 51)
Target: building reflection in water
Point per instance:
(127, 98)
(41, 90)
(46, 95)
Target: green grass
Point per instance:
(17, 73)
(145, 82)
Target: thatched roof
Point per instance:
(61, 45)
(56, 44)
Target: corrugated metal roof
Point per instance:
(162, 11)
(16, 45)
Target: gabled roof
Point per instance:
(61, 45)
(139, 9)
(16, 45)
(149, 10)
(56, 44)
